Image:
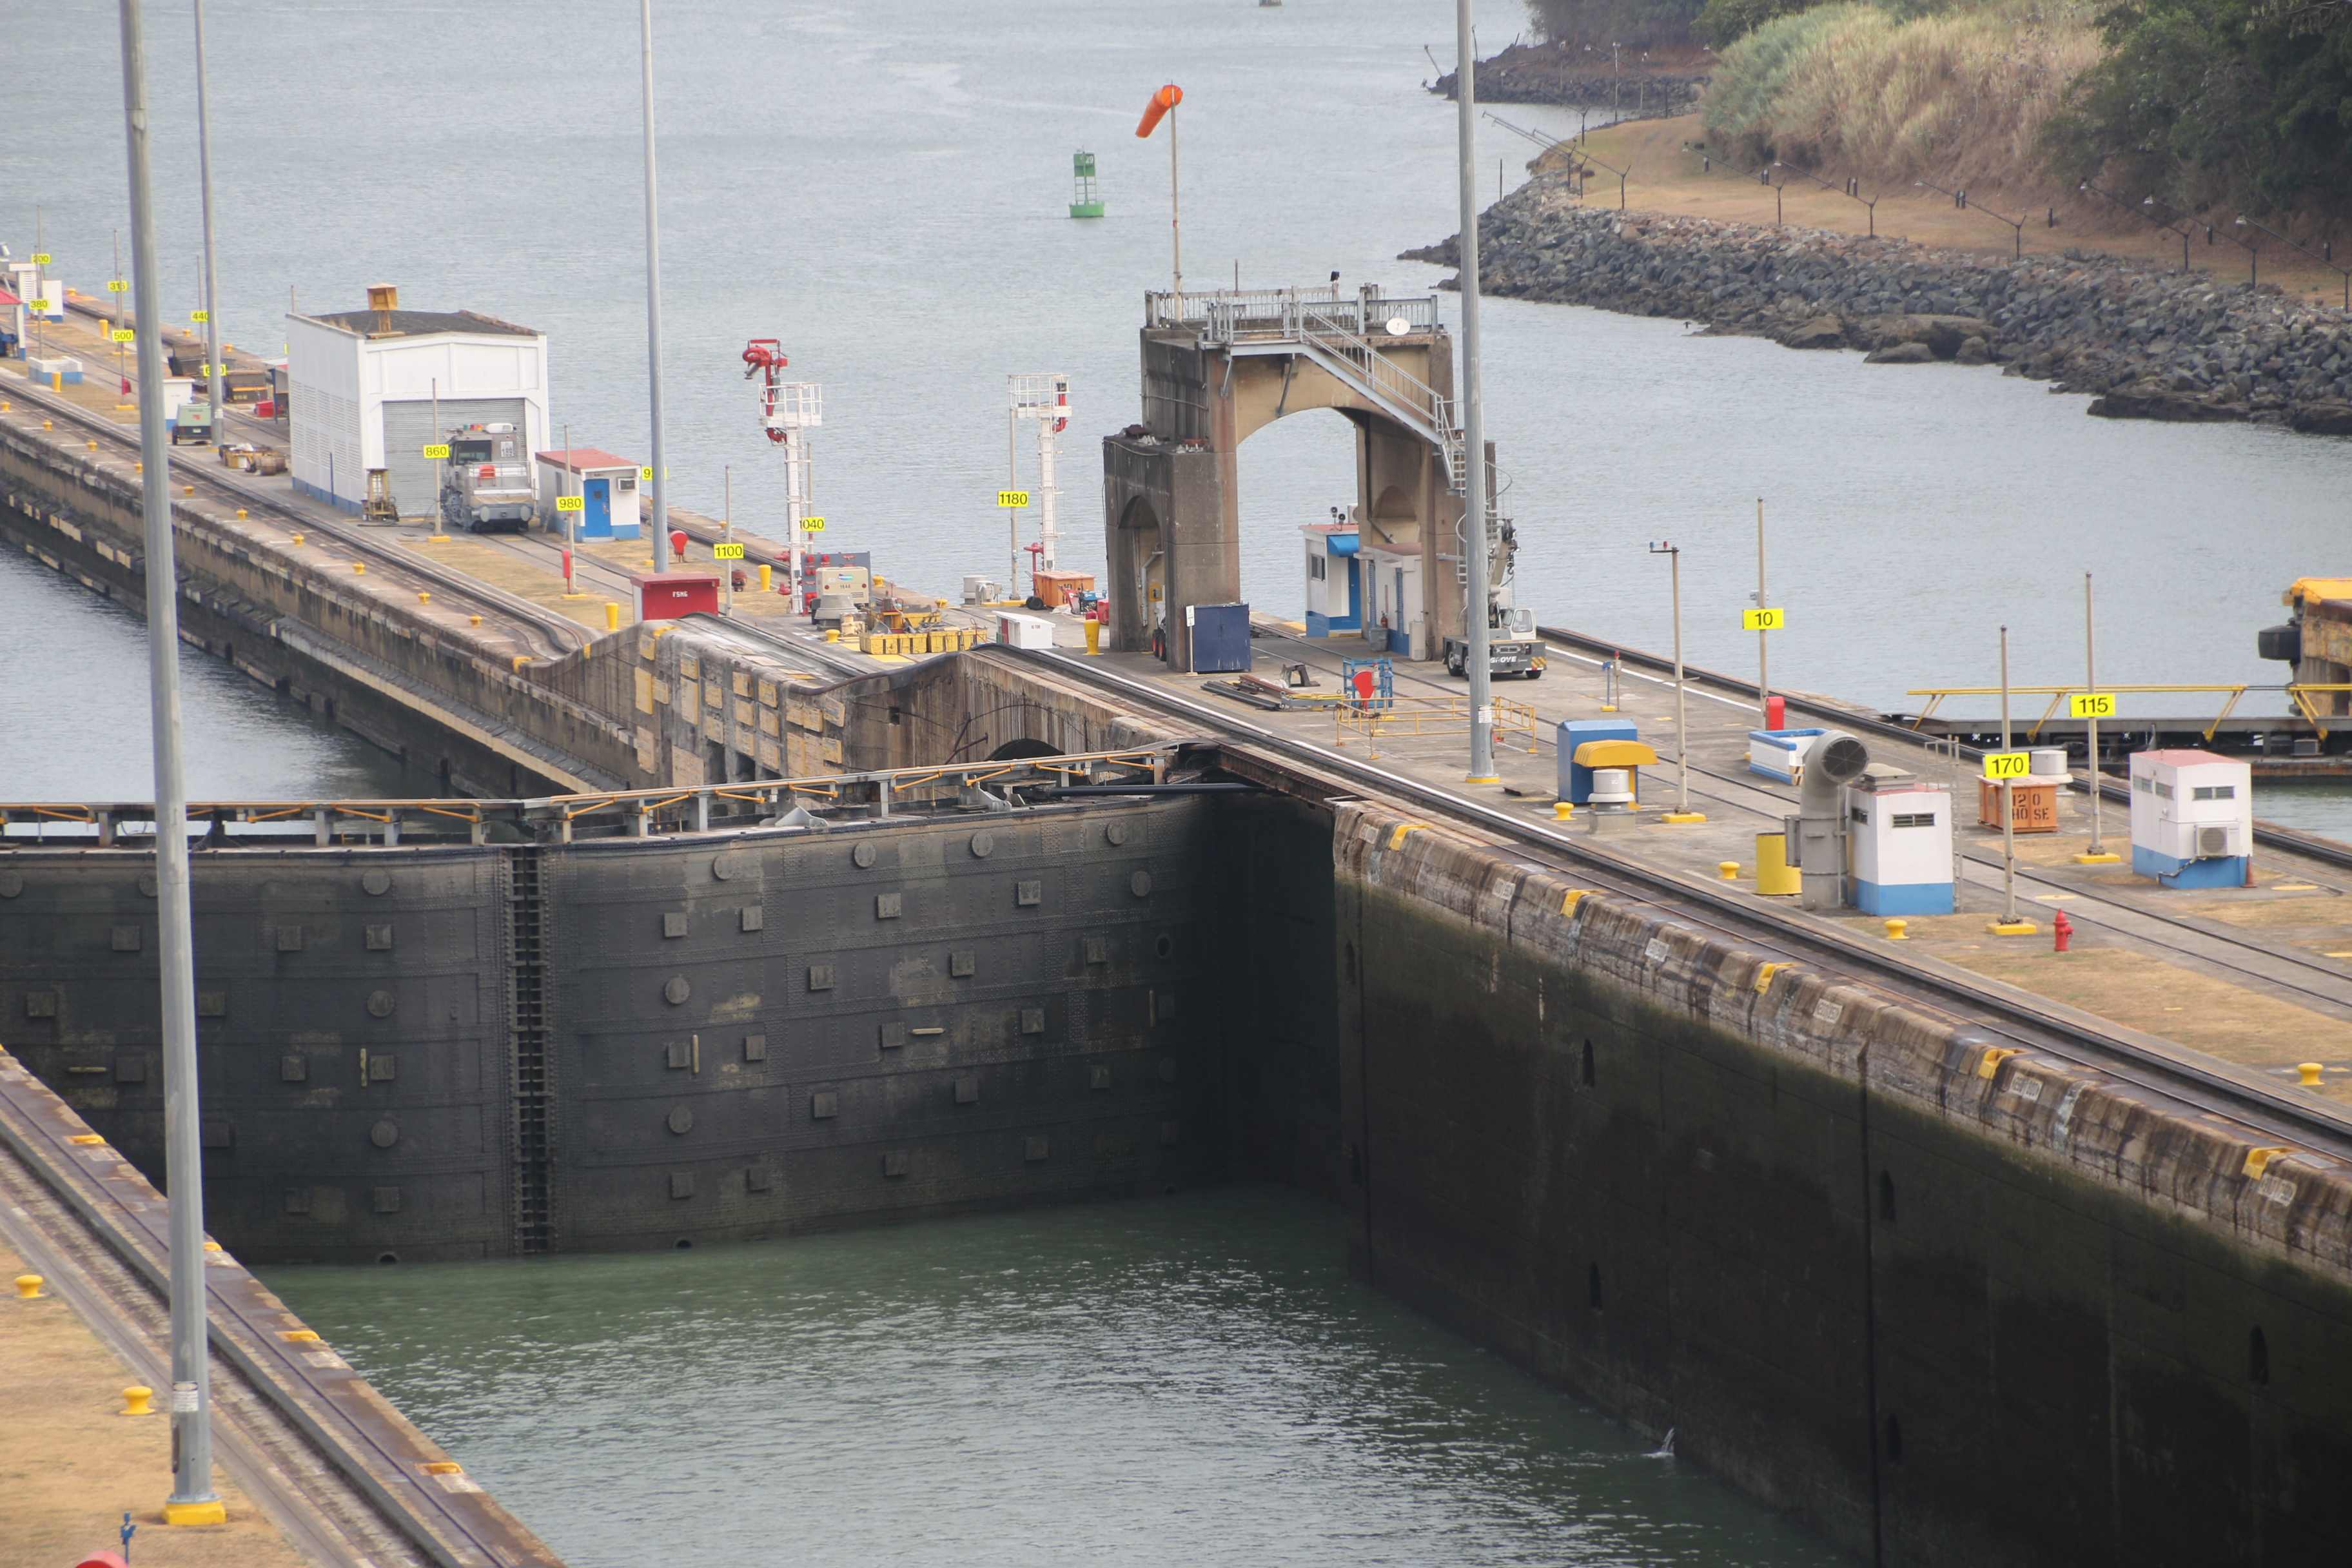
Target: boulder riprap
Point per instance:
(2146, 343)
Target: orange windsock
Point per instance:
(1166, 99)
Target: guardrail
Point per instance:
(2300, 693)
(639, 813)
(1227, 315)
(1377, 719)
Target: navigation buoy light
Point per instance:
(1086, 196)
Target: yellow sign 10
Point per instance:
(1763, 620)
(1012, 500)
(2092, 705)
(2000, 767)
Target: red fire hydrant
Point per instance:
(2061, 930)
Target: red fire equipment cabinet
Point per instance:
(666, 596)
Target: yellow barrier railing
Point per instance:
(1376, 720)
(2300, 693)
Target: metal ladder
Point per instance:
(527, 1011)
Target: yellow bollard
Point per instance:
(46, 426)
(1562, 810)
(2309, 1073)
(93, 445)
(613, 614)
(767, 578)
(1774, 875)
(1728, 869)
(360, 567)
(473, 620)
(135, 1401)
(423, 598)
(1898, 931)
(298, 539)
(240, 514)
(28, 1286)
(833, 636)
(1094, 637)
(139, 468)
(187, 490)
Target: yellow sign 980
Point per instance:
(2004, 765)
(572, 503)
(2092, 705)
(1012, 500)
(1763, 620)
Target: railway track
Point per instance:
(2001, 1015)
(542, 633)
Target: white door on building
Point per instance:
(408, 430)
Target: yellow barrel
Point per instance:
(1773, 873)
(1094, 636)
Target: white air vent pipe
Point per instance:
(1836, 760)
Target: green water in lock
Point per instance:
(1190, 1378)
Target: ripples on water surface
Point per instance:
(1190, 1379)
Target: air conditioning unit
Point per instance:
(2217, 840)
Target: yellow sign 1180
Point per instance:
(1012, 500)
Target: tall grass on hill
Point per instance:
(1959, 96)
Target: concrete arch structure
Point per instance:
(1217, 369)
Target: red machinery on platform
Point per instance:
(667, 595)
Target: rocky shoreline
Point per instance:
(1550, 73)
(2147, 343)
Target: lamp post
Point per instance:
(1473, 416)
(2253, 252)
(1682, 812)
(1851, 188)
(192, 1500)
(1962, 200)
(1548, 144)
(2326, 256)
(2090, 189)
(652, 299)
(212, 284)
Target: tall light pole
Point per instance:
(1763, 638)
(1474, 419)
(1682, 811)
(653, 303)
(192, 1500)
(2008, 803)
(212, 286)
(2098, 854)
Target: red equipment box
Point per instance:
(667, 595)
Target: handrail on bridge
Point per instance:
(642, 808)
(1225, 315)
(2300, 692)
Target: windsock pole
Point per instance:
(1163, 106)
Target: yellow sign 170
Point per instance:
(1012, 500)
(2092, 705)
(571, 503)
(2003, 765)
(1763, 620)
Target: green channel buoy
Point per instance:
(1085, 198)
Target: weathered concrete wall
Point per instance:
(443, 1053)
(1951, 1309)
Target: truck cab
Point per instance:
(1512, 647)
(486, 485)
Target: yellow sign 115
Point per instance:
(2000, 766)
(2092, 705)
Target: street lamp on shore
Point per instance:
(1962, 199)
(1550, 144)
(2326, 256)
(2253, 252)
(1851, 188)
(2089, 189)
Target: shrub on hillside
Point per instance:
(1958, 94)
(1636, 23)
(1724, 21)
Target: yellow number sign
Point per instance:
(438, 451)
(1763, 620)
(2092, 705)
(200, 317)
(646, 474)
(813, 524)
(1011, 499)
(117, 286)
(571, 503)
(123, 334)
(727, 552)
(1999, 766)
(42, 259)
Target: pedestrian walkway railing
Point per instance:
(1368, 722)
(2310, 698)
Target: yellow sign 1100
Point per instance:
(725, 551)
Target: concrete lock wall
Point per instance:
(1949, 1309)
(460, 1053)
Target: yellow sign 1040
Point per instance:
(2092, 705)
(1763, 620)
(2000, 766)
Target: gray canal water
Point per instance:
(1191, 1379)
(881, 185)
